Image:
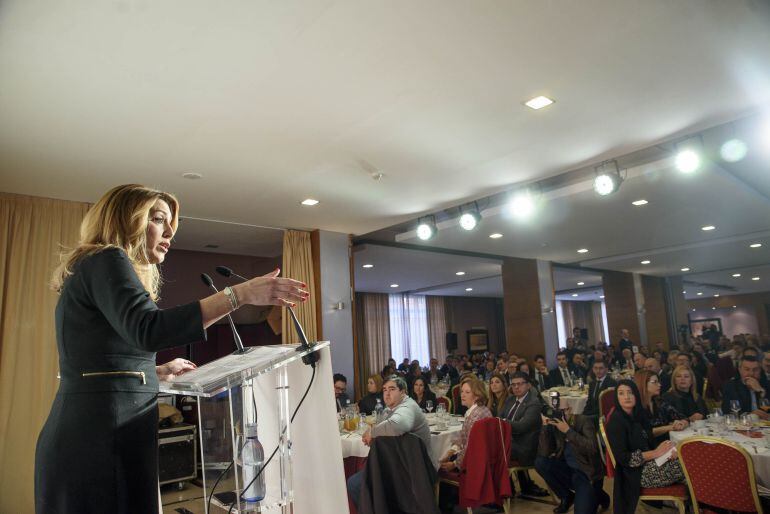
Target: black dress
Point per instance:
(98, 450)
(367, 404)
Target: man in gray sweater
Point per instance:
(402, 416)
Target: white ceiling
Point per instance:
(228, 238)
(274, 102)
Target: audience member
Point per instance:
(560, 375)
(404, 366)
(625, 341)
(684, 396)
(578, 366)
(498, 394)
(421, 393)
(540, 374)
(601, 382)
(473, 395)
(340, 391)
(652, 364)
(629, 434)
(685, 359)
(663, 416)
(374, 393)
(745, 388)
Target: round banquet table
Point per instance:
(760, 454)
(573, 398)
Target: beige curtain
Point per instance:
(373, 328)
(298, 264)
(31, 230)
(437, 327)
(598, 321)
(579, 314)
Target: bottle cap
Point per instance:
(251, 430)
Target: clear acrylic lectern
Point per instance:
(233, 392)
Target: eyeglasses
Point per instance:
(517, 384)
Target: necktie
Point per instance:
(514, 409)
(540, 381)
(598, 386)
(565, 377)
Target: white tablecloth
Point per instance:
(353, 446)
(574, 399)
(760, 455)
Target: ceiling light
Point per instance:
(496, 235)
(309, 202)
(755, 278)
(602, 296)
(735, 306)
(394, 285)
(708, 228)
(608, 178)
(470, 217)
(192, 175)
(367, 266)
(469, 289)
(538, 102)
(736, 275)
(693, 310)
(426, 228)
(733, 150)
(574, 294)
(700, 294)
(640, 202)
(684, 292)
(645, 262)
(755, 245)
(581, 283)
(460, 273)
(521, 206)
(713, 308)
(583, 250)
(687, 158)
(685, 269)
(716, 295)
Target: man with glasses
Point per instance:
(340, 391)
(601, 382)
(522, 411)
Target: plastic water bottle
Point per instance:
(253, 460)
(378, 411)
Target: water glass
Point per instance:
(429, 406)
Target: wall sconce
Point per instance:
(338, 306)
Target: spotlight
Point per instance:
(470, 218)
(733, 150)
(688, 158)
(607, 179)
(426, 228)
(521, 206)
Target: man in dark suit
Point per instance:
(559, 376)
(745, 388)
(603, 381)
(625, 341)
(522, 411)
(578, 366)
(652, 364)
(540, 374)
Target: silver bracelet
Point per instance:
(230, 294)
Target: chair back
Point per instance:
(719, 474)
(455, 398)
(610, 458)
(490, 438)
(705, 388)
(446, 402)
(606, 402)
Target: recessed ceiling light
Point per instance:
(693, 310)
(700, 294)
(469, 289)
(574, 294)
(394, 285)
(685, 269)
(754, 278)
(581, 283)
(733, 150)
(645, 262)
(684, 292)
(602, 296)
(716, 296)
(736, 275)
(707, 228)
(367, 266)
(687, 161)
(755, 245)
(640, 202)
(583, 250)
(713, 308)
(192, 175)
(538, 102)
(496, 235)
(309, 202)
(460, 273)
(735, 306)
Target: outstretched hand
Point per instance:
(270, 289)
(166, 372)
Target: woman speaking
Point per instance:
(98, 450)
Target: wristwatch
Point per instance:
(230, 294)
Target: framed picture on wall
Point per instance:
(698, 326)
(478, 340)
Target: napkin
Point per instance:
(663, 458)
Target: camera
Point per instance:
(553, 411)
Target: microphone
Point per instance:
(238, 343)
(310, 358)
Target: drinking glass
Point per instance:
(735, 407)
(429, 406)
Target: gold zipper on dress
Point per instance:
(137, 374)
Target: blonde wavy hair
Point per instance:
(119, 220)
(693, 383)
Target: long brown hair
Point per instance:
(119, 220)
(641, 378)
(494, 400)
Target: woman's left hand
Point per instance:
(166, 372)
(448, 465)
